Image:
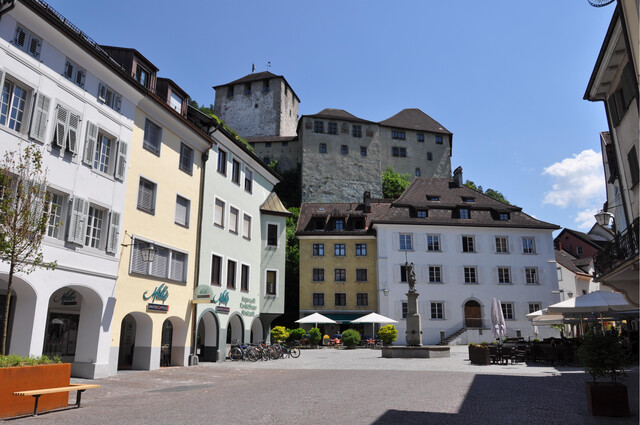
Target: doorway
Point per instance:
(472, 314)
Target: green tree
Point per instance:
(296, 334)
(351, 338)
(23, 218)
(498, 196)
(279, 334)
(388, 334)
(315, 336)
(393, 184)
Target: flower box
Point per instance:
(607, 399)
(479, 354)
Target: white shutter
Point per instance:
(121, 160)
(1, 80)
(62, 115)
(40, 114)
(34, 46)
(182, 211)
(72, 137)
(178, 261)
(114, 233)
(138, 265)
(146, 191)
(78, 221)
(20, 38)
(102, 93)
(117, 102)
(91, 139)
(397, 275)
(160, 263)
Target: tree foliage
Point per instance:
(23, 217)
(351, 338)
(602, 355)
(315, 336)
(279, 334)
(393, 184)
(296, 334)
(492, 193)
(388, 334)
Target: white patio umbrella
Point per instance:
(315, 318)
(374, 318)
(543, 316)
(498, 326)
(593, 302)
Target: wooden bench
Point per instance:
(80, 388)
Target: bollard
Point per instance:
(442, 338)
(518, 333)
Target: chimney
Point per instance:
(457, 177)
(367, 202)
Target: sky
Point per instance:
(506, 77)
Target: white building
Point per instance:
(466, 249)
(61, 93)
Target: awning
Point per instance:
(344, 318)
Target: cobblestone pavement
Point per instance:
(341, 387)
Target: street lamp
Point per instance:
(604, 217)
(148, 253)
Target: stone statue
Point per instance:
(411, 276)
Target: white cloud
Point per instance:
(585, 219)
(578, 181)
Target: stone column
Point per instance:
(414, 323)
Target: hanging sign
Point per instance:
(202, 294)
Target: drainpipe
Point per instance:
(4, 3)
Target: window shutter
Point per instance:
(72, 137)
(396, 273)
(102, 93)
(90, 142)
(117, 103)
(182, 210)
(146, 195)
(178, 261)
(68, 70)
(1, 80)
(34, 47)
(160, 263)
(78, 221)
(114, 233)
(121, 160)
(39, 121)
(21, 37)
(137, 263)
(61, 127)
(80, 77)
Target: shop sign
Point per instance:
(248, 306)
(160, 293)
(223, 298)
(203, 294)
(158, 307)
(221, 309)
(67, 298)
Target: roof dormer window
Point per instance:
(176, 102)
(504, 216)
(433, 198)
(143, 76)
(421, 213)
(468, 199)
(464, 213)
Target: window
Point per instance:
(218, 213)
(27, 42)
(332, 128)
(318, 249)
(143, 76)
(248, 180)
(186, 159)
(579, 250)
(271, 282)
(406, 243)
(361, 249)
(318, 299)
(340, 275)
(233, 220)
(216, 270)
(435, 274)
(439, 139)
(167, 264)
(247, 88)
(338, 224)
(464, 213)
(429, 156)
(420, 137)
(94, 234)
(230, 91)
(363, 151)
(437, 310)
(502, 245)
(433, 242)
(55, 207)
(503, 217)
(323, 148)
(533, 307)
(361, 275)
(272, 235)
(183, 207)
(467, 244)
(267, 145)
(12, 105)
(417, 172)
(100, 151)
(504, 276)
(231, 274)
(362, 299)
(468, 199)
(344, 150)
(222, 162)
(318, 275)
(147, 196)
(507, 310)
(634, 167)
(397, 151)
(66, 130)
(397, 135)
(356, 130)
(235, 171)
(403, 273)
(433, 198)
(318, 126)
(103, 154)
(339, 250)
(152, 137)
(244, 278)
(265, 86)
(405, 309)
(109, 97)
(559, 271)
(470, 275)
(528, 246)
(246, 227)
(340, 299)
(176, 102)
(531, 275)
(74, 73)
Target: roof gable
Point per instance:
(414, 119)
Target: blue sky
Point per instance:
(507, 78)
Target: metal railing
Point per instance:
(621, 249)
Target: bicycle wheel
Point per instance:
(295, 353)
(253, 354)
(235, 354)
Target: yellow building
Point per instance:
(338, 258)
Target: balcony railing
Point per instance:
(621, 249)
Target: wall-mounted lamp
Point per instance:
(604, 217)
(385, 292)
(148, 252)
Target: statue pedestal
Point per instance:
(414, 323)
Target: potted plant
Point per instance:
(350, 338)
(479, 354)
(388, 334)
(315, 336)
(604, 356)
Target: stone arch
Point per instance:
(22, 314)
(472, 313)
(208, 331)
(177, 344)
(257, 331)
(235, 329)
(136, 335)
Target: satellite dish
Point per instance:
(600, 3)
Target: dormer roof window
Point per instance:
(143, 76)
(468, 199)
(176, 101)
(433, 198)
(464, 213)
(503, 216)
(338, 224)
(421, 213)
